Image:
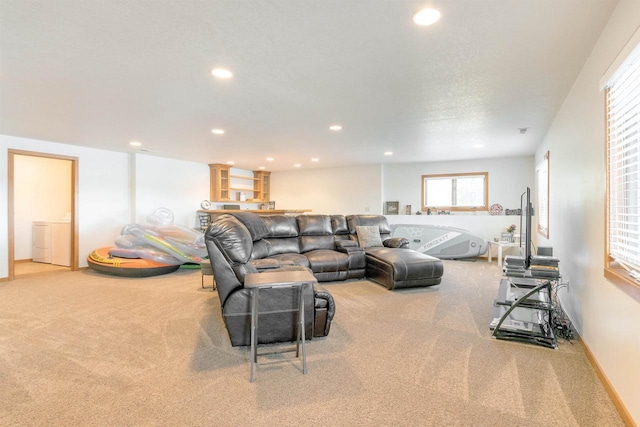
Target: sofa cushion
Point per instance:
(325, 261)
(368, 236)
(402, 268)
(283, 245)
(289, 259)
(312, 243)
(379, 220)
(314, 225)
(260, 249)
(339, 225)
(407, 264)
(281, 225)
(254, 224)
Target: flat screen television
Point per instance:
(526, 210)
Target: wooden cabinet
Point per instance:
(227, 187)
(220, 176)
(262, 185)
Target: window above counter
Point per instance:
(456, 192)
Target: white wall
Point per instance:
(44, 194)
(177, 185)
(354, 189)
(508, 179)
(103, 193)
(606, 317)
(108, 192)
(344, 190)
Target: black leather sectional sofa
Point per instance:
(328, 245)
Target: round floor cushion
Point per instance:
(101, 261)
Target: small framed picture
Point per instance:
(407, 210)
(391, 208)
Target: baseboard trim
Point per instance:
(615, 398)
(18, 261)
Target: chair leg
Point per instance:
(213, 283)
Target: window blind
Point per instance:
(623, 163)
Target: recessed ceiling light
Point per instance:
(230, 162)
(426, 16)
(217, 131)
(388, 153)
(335, 127)
(478, 146)
(261, 168)
(297, 165)
(221, 73)
(269, 159)
(135, 143)
(315, 159)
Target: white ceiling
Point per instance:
(100, 73)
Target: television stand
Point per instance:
(522, 311)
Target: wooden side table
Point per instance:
(278, 279)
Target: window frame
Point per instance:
(484, 207)
(619, 273)
(543, 195)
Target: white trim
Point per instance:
(632, 46)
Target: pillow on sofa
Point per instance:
(368, 236)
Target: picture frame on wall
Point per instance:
(391, 208)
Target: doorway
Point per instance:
(71, 216)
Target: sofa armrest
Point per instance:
(265, 264)
(349, 249)
(396, 242)
(341, 244)
(324, 299)
(357, 256)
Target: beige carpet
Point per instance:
(23, 268)
(84, 349)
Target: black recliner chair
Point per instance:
(229, 240)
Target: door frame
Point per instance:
(10, 206)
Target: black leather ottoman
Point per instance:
(402, 268)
